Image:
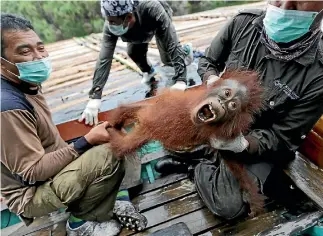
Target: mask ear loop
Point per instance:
(317, 21)
(124, 22)
(11, 64)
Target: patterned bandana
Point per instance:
(118, 7)
(295, 50)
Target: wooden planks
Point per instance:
(170, 211)
(307, 177)
(162, 182)
(45, 224)
(312, 147)
(172, 200)
(318, 128)
(294, 226)
(249, 227)
(197, 222)
(179, 229)
(268, 224)
(164, 195)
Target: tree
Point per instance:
(57, 20)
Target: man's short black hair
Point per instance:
(12, 22)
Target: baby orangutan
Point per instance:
(181, 120)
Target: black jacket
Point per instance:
(294, 102)
(153, 18)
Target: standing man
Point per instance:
(137, 22)
(285, 45)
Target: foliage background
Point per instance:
(58, 20)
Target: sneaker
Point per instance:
(129, 216)
(179, 85)
(89, 228)
(189, 58)
(146, 77)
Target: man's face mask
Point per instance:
(35, 72)
(284, 26)
(118, 29)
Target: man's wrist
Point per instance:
(252, 144)
(82, 145)
(207, 74)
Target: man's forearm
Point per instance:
(263, 142)
(51, 163)
(104, 62)
(100, 78)
(206, 69)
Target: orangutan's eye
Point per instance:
(227, 93)
(232, 105)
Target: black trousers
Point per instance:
(216, 185)
(138, 53)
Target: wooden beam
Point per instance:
(251, 226)
(73, 70)
(41, 223)
(307, 177)
(164, 195)
(162, 182)
(197, 222)
(318, 128)
(85, 99)
(126, 62)
(312, 146)
(170, 211)
(74, 129)
(294, 226)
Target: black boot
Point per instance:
(169, 165)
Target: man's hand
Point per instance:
(99, 134)
(212, 79)
(236, 145)
(90, 114)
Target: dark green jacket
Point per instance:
(295, 88)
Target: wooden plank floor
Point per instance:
(168, 201)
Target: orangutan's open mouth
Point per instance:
(206, 113)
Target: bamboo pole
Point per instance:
(67, 83)
(73, 70)
(122, 80)
(60, 45)
(52, 82)
(64, 50)
(105, 93)
(133, 66)
(82, 59)
(77, 51)
(70, 82)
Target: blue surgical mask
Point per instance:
(118, 29)
(284, 26)
(35, 72)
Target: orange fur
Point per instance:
(168, 120)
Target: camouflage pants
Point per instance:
(87, 186)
